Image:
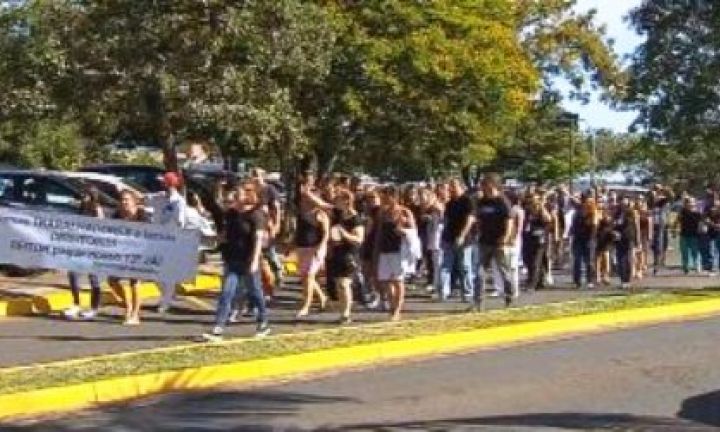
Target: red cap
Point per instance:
(172, 179)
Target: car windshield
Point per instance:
(79, 184)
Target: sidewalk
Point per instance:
(38, 339)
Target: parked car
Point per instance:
(45, 191)
(109, 184)
(148, 176)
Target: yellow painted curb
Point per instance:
(203, 284)
(16, 307)
(124, 388)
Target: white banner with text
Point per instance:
(104, 247)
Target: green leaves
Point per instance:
(393, 87)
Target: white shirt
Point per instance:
(168, 210)
(195, 221)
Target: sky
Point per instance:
(597, 115)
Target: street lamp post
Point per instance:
(570, 120)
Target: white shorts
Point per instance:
(390, 268)
(310, 262)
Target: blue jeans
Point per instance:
(73, 278)
(456, 257)
(583, 251)
(689, 252)
(705, 244)
(237, 285)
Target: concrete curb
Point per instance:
(62, 399)
(56, 299)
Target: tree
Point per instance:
(674, 75)
(393, 87)
(162, 67)
(673, 84)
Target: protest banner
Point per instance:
(104, 247)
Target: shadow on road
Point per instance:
(704, 408)
(555, 422)
(217, 411)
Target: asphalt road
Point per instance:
(43, 339)
(663, 378)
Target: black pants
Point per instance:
(660, 240)
(624, 254)
(583, 256)
(429, 266)
(535, 259)
(330, 285)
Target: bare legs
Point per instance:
(130, 299)
(310, 287)
(345, 295)
(396, 290)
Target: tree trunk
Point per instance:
(170, 159)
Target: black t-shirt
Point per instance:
(492, 214)
(344, 248)
(625, 226)
(583, 227)
(390, 240)
(308, 232)
(457, 212)
(242, 229)
(689, 222)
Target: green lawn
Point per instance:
(43, 376)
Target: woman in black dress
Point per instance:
(346, 236)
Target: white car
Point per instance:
(109, 184)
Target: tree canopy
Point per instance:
(673, 84)
(394, 87)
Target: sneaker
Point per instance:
(430, 288)
(72, 312)
(215, 336)
(234, 316)
(163, 309)
(263, 329)
(625, 286)
(508, 301)
(591, 286)
(345, 320)
(375, 302)
(89, 315)
(494, 294)
(132, 322)
(712, 274)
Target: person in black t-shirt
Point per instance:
(455, 244)
(689, 220)
(583, 231)
(493, 218)
(346, 236)
(627, 229)
(712, 219)
(244, 233)
(536, 233)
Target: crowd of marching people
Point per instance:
(358, 243)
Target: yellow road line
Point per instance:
(124, 388)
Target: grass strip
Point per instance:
(15, 380)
